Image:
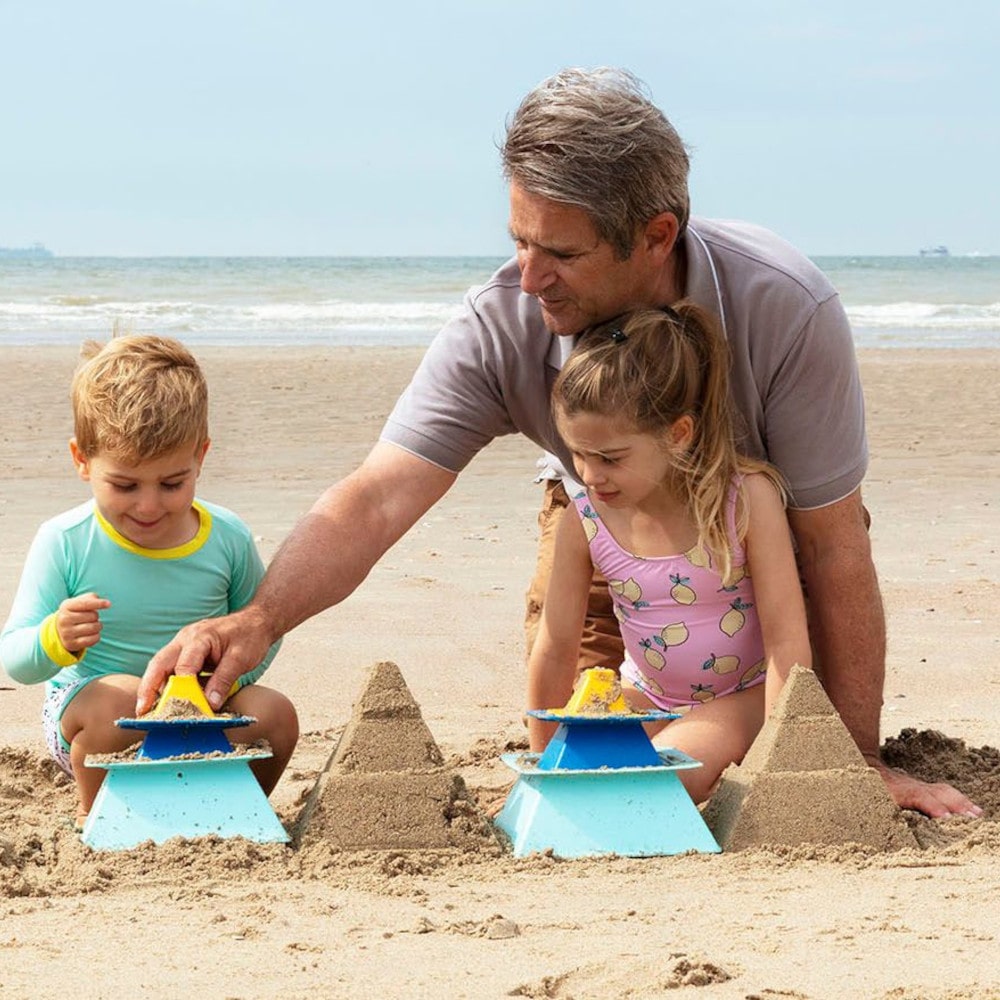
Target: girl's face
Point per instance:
(148, 503)
(620, 466)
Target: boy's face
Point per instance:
(149, 503)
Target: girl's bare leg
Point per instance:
(717, 733)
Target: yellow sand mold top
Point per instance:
(597, 692)
(183, 689)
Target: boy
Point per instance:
(108, 583)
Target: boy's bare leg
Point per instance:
(277, 722)
(88, 725)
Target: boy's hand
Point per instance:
(78, 623)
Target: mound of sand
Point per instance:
(385, 786)
(804, 781)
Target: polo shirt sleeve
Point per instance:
(456, 402)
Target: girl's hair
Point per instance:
(137, 398)
(651, 367)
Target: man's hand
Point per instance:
(229, 646)
(78, 623)
(935, 799)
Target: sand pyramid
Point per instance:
(804, 781)
(387, 731)
(385, 786)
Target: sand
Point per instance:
(461, 917)
(804, 781)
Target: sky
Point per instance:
(325, 127)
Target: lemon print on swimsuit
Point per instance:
(653, 657)
(698, 557)
(674, 635)
(739, 574)
(702, 692)
(670, 635)
(630, 590)
(721, 664)
(753, 673)
(734, 619)
(645, 683)
(680, 591)
(589, 519)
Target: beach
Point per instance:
(240, 920)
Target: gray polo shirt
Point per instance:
(794, 376)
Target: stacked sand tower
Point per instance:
(385, 787)
(804, 781)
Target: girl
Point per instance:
(690, 535)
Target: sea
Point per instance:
(893, 302)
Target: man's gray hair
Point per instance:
(594, 139)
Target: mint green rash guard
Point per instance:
(153, 593)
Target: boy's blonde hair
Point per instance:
(651, 367)
(138, 397)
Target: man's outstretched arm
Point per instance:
(325, 557)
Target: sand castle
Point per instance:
(385, 786)
(804, 781)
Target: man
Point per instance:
(600, 220)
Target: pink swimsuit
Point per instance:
(687, 638)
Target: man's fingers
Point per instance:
(225, 647)
(178, 657)
(159, 668)
(950, 801)
(937, 799)
(194, 653)
(222, 679)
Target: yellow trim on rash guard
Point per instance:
(177, 552)
(52, 645)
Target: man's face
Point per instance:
(573, 274)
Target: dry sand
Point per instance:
(240, 920)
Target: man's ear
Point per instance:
(660, 234)
(80, 460)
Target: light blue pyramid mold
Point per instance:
(601, 787)
(162, 794)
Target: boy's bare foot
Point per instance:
(81, 818)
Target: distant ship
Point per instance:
(35, 252)
(939, 251)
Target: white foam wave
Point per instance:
(279, 319)
(927, 315)
(95, 315)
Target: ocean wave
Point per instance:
(231, 313)
(98, 315)
(927, 315)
